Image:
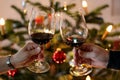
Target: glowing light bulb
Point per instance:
(2, 21)
(88, 78)
(109, 28)
(84, 3)
(65, 6)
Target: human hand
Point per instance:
(26, 55)
(92, 54)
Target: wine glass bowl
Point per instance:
(41, 29)
(75, 35)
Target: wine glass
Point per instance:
(41, 29)
(75, 35)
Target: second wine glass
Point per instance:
(75, 35)
(41, 29)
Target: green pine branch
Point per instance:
(97, 11)
(92, 17)
(21, 13)
(39, 5)
(16, 22)
(69, 7)
(10, 50)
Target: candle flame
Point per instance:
(88, 78)
(109, 28)
(65, 6)
(2, 21)
(84, 3)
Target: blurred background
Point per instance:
(99, 15)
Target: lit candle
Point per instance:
(88, 77)
(108, 30)
(2, 27)
(85, 5)
(65, 6)
(24, 6)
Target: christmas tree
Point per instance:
(16, 31)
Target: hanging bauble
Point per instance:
(59, 56)
(12, 72)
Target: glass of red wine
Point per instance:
(74, 33)
(41, 29)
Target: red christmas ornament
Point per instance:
(12, 72)
(59, 56)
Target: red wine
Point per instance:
(41, 38)
(75, 41)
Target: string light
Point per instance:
(108, 30)
(65, 6)
(85, 5)
(88, 77)
(24, 6)
(2, 27)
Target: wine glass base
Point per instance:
(81, 70)
(39, 67)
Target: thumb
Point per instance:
(34, 51)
